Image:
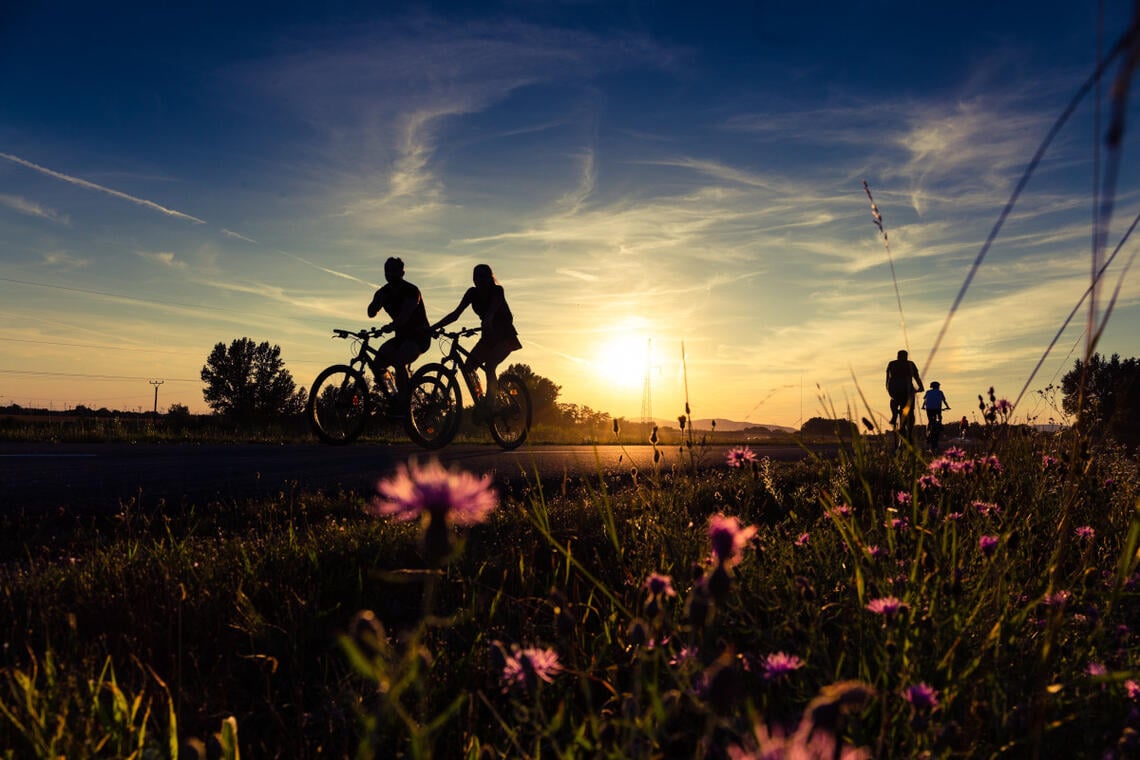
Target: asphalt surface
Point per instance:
(103, 476)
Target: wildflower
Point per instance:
(658, 584)
(1003, 406)
(1096, 669)
(897, 523)
(440, 497)
(802, 539)
(954, 516)
(903, 498)
(779, 665)
(987, 544)
(928, 481)
(990, 462)
(1132, 689)
(986, 508)
(524, 668)
(437, 492)
(686, 655)
(1048, 461)
(887, 606)
(942, 465)
(921, 697)
(876, 551)
(1085, 531)
(729, 538)
(839, 510)
(954, 453)
(740, 456)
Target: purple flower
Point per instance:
(779, 665)
(876, 551)
(986, 508)
(902, 497)
(988, 544)
(802, 539)
(989, 461)
(1132, 689)
(1056, 600)
(658, 584)
(1048, 461)
(740, 456)
(840, 510)
(954, 453)
(942, 465)
(1085, 531)
(432, 490)
(887, 606)
(1096, 669)
(729, 538)
(921, 697)
(525, 667)
(928, 481)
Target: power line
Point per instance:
(94, 345)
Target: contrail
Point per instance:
(100, 188)
(170, 212)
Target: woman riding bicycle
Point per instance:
(402, 302)
(499, 337)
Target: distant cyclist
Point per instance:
(402, 302)
(934, 401)
(499, 337)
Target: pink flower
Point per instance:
(1057, 599)
(1048, 461)
(1085, 531)
(525, 667)
(887, 606)
(1096, 669)
(876, 551)
(740, 456)
(921, 697)
(432, 490)
(1132, 689)
(928, 481)
(658, 584)
(986, 508)
(902, 497)
(803, 539)
(988, 544)
(779, 665)
(729, 538)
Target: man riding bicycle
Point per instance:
(934, 401)
(402, 302)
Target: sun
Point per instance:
(622, 360)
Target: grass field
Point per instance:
(981, 603)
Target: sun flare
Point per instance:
(622, 361)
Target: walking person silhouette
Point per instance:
(902, 379)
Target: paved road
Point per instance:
(100, 476)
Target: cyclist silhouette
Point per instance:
(499, 337)
(934, 401)
(902, 376)
(402, 302)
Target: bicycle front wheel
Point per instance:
(339, 405)
(434, 407)
(511, 417)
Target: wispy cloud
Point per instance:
(165, 258)
(100, 188)
(31, 208)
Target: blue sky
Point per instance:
(640, 176)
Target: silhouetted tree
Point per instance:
(248, 382)
(824, 426)
(1111, 400)
(543, 393)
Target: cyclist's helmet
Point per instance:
(935, 384)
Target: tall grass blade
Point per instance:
(878, 219)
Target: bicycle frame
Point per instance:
(456, 358)
(366, 362)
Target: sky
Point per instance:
(670, 193)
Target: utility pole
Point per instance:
(156, 383)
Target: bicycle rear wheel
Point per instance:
(434, 407)
(339, 405)
(511, 418)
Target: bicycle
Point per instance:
(933, 428)
(508, 415)
(342, 401)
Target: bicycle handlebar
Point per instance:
(462, 332)
(364, 334)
